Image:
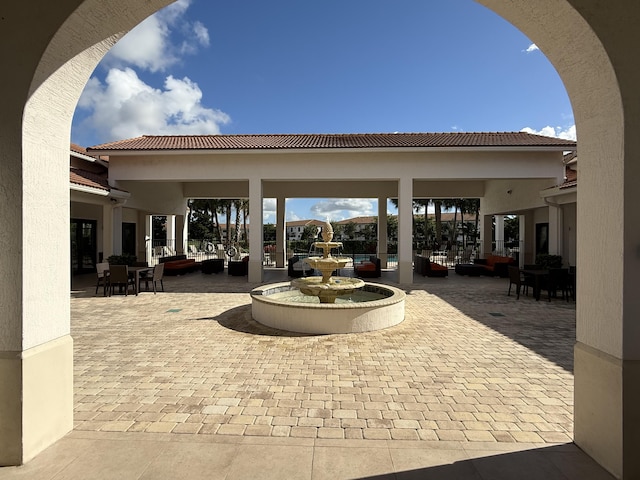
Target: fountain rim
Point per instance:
(260, 294)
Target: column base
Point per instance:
(36, 399)
(405, 272)
(607, 410)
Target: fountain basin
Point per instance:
(269, 306)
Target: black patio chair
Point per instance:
(119, 276)
(558, 280)
(518, 279)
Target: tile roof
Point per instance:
(350, 140)
(88, 179)
(358, 220)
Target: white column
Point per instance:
(180, 234)
(382, 232)
(185, 232)
(107, 230)
(281, 246)
(116, 215)
(405, 227)
(255, 230)
(171, 231)
(499, 233)
(486, 224)
(148, 236)
(555, 230)
(522, 235)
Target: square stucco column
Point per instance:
(486, 235)
(382, 232)
(255, 230)
(281, 248)
(405, 230)
(36, 350)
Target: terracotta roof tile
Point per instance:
(88, 179)
(359, 220)
(312, 141)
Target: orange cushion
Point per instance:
(437, 266)
(366, 266)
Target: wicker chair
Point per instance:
(119, 276)
(154, 278)
(102, 273)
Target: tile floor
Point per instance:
(184, 384)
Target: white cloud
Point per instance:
(531, 48)
(292, 216)
(150, 46)
(124, 107)
(341, 208)
(269, 210)
(566, 133)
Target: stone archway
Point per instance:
(587, 42)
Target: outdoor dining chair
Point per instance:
(154, 278)
(558, 280)
(519, 280)
(102, 273)
(119, 276)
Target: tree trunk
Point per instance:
(438, 214)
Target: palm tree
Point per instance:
(216, 207)
(245, 215)
(237, 205)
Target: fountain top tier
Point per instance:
(327, 245)
(327, 288)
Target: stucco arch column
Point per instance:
(255, 231)
(592, 44)
(405, 230)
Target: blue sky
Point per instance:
(337, 66)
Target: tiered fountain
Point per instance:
(326, 304)
(327, 288)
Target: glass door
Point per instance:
(83, 246)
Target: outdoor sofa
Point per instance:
(179, 264)
(427, 268)
(368, 268)
(495, 265)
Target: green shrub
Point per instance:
(549, 261)
(124, 259)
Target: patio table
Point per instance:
(135, 272)
(538, 276)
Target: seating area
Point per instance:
(238, 268)
(495, 265)
(368, 268)
(179, 264)
(427, 268)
